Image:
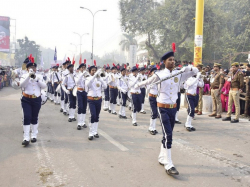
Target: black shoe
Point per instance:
(105, 109)
(84, 126)
(96, 136)
(193, 129)
(134, 124)
(61, 110)
(33, 140)
(129, 108)
(120, 116)
(143, 112)
(73, 119)
(235, 121)
(25, 142)
(90, 138)
(188, 129)
(118, 104)
(156, 131)
(69, 120)
(177, 122)
(52, 100)
(226, 119)
(79, 127)
(114, 113)
(124, 117)
(152, 132)
(172, 171)
(109, 111)
(65, 113)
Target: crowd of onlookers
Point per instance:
(5, 76)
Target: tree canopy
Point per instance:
(226, 27)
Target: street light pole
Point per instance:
(93, 15)
(81, 41)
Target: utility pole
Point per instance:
(198, 40)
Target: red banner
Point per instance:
(4, 34)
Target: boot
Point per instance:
(169, 167)
(96, 129)
(176, 118)
(151, 129)
(83, 121)
(34, 133)
(113, 109)
(134, 119)
(188, 124)
(79, 121)
(124, 113)
(62, 106)
(73, 114)
(142, 109)
(162, 158)
(91, 125)
(26, 135)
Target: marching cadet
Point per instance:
(50, 87)
(191, 86)
(93, 86)
(217, 82)
(118, 75)
(153, 92)
(68, 85)
(236, 87)
(198, 109)
(31, 84)
(106, 91)
(64, 96)
(166, 102)
(143, 89)
(112, 81)
(123, 89)
(55, 80)
(81, 96)
(135, 93)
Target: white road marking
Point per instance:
(111, 140)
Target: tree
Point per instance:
(226, 27)
(27, 47)
(129, 40)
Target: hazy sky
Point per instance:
(52, 22)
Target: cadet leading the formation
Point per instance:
(31, 85)
(166, 102)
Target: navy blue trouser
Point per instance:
(113, 95)
(192, 103)
(50, 89)
(136, 101)
(143, 93)
(106, 93)
(167, 119)
(124, 98)
(62, 94)
(66, 98)
(55, 86)
(31, 108)
(72, 100)
(178, 101)
(95, 109)
(82, 102)
(153, 106)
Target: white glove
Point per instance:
(186, 69)
(67, 92)
(136, 86)
(199, 75)
(98, 72)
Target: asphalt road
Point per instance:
(217, 154)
